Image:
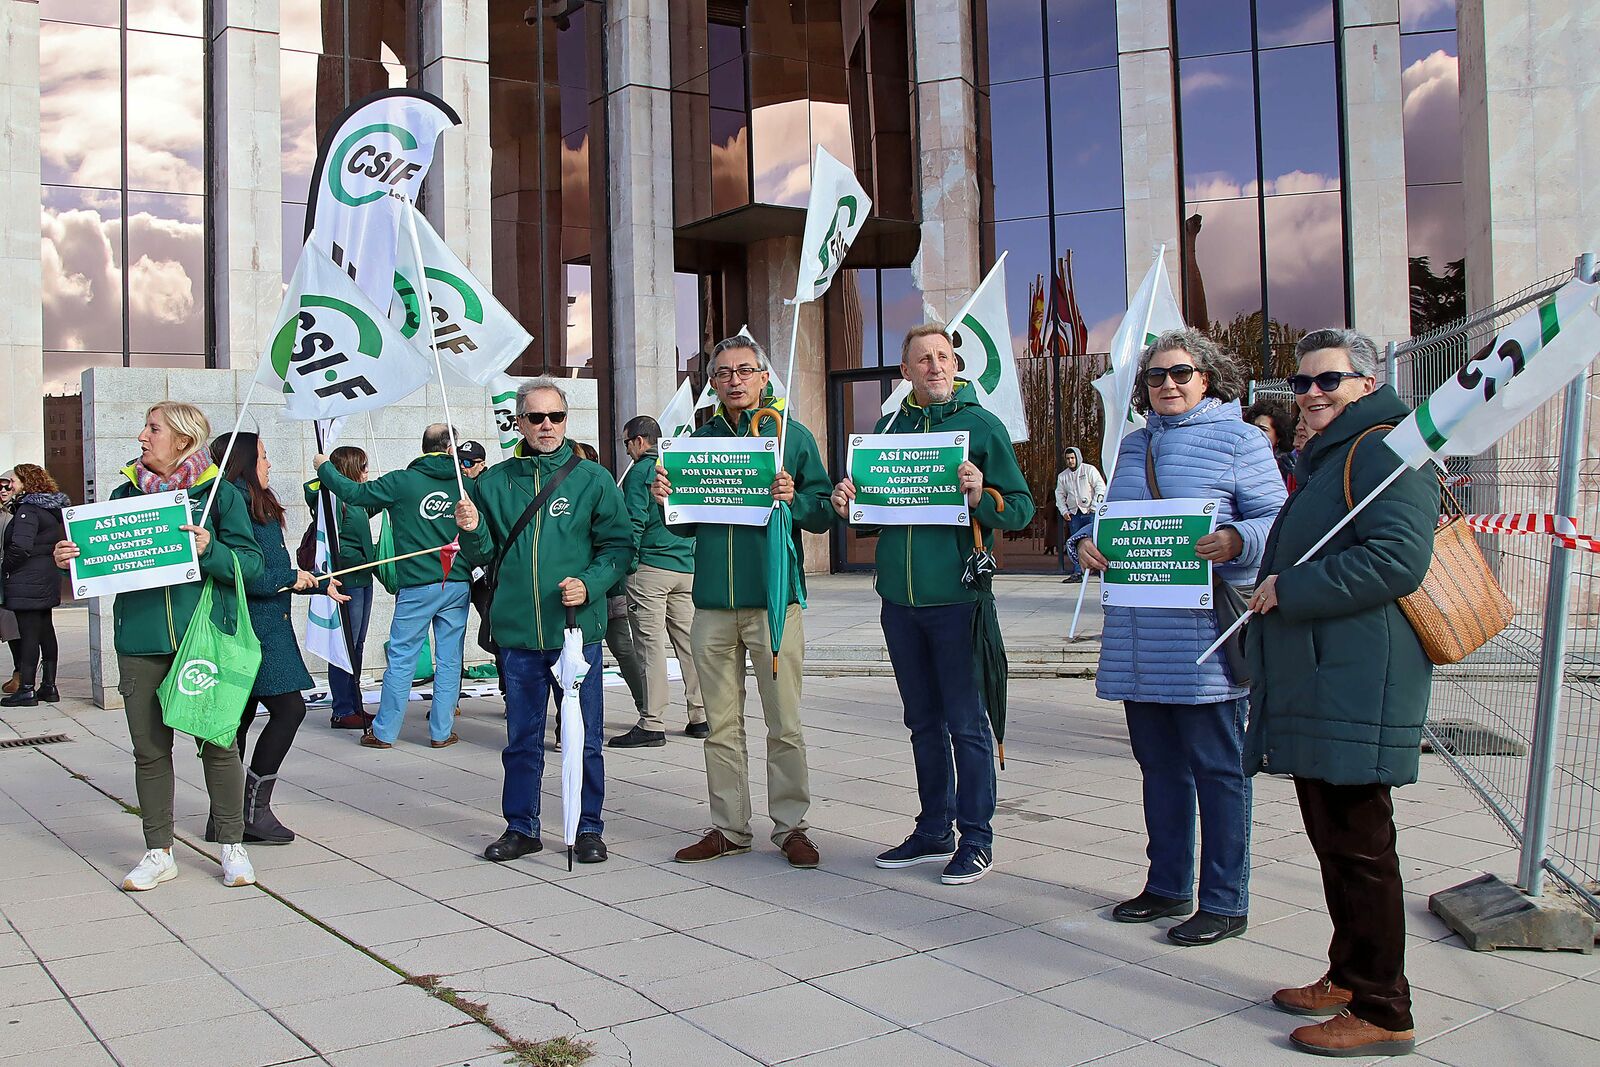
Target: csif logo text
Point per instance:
(197, 677)
(435, 506)
(373, 159)
(560, 506)
(320, 340)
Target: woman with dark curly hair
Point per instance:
(1276, 418)
(32, 583)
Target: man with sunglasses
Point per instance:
(730, 621)
(552, 531)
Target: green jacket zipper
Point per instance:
(538, 524)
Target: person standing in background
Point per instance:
(619, 638)
(8, 622)
(355, 548)
(32, 582)
(1079, 489)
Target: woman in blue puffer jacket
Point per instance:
(1186, 721)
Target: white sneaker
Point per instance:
(236, 869)
(157, 866)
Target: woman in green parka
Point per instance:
(1341, 684)
(149, 625)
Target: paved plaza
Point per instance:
(738, 961)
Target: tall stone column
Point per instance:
(639, 127)
(246, 163)
(21, 322)
(1375, 192)
(1149, 138)
(948, 264)
(455, 68)
(1530, 90)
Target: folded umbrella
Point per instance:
(988, 647)
(570, 671)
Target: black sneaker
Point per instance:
(916, 849)
(698, 730)
(637, 738)
(969, 865)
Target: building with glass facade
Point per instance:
(630, 177)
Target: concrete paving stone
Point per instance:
(1502, 1039)
(1050, 903)
(466, 1045)
(170, 961)
(255, 912)
(1147, 1003)
(587, 1001)
(480, 877)
(1488, 978)
(789, 888)
(873, 913)
(314, 978)
(896, 1048)
(506, 906)
(590, 928)
(1242, 968)
(1026, 960)
(403, 924)
(26, 983)
(1025, 1032)
(377, 1015)
(337, 874)
(1159, 1056)
(668, 1041)
(452, 953)
(136, 1009)
(427, 859)
(697, 907)
(335, 900)
(67, 911)
(787, 1022)
(915, 989)
(857, 950)
(14, 952)
(251, 1039)
(773, 933)
(1257, 1034)
(651, 959)
(229, 952)
(1303, 932)
(1568, 1007)
(637, 883)
(91, 1054)
(696, 989)
(102, 935)
(52, 886)
(951, 930)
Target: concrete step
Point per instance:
(1056, 660)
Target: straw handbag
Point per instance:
(1460, 605)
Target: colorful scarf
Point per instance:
(182, 477)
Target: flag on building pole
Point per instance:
(980, 333)
(476, 336)
(1152, 312)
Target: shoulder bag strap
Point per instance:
(1350, 461)
(1150, 469)
(559, 476)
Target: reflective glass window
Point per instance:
(1305, 261)
(311, 26)
(1099, 271)
(1222, 275)
(1083, 34)
(80, 105)
(901, 309)
(63, 374)
(780, 131)
(777, 28)
(81, 259)
(1086, 135)
(89, 12)
(1016, 40)
(1431, 94)
(1290, 22)
(1016, 111)
(166, 131)
(686, 320)
(168, 16)
(1418, 15)
(1219, 127)
(381, 31)
(1210, 27)
(1299, 119)
(730, 160)
(1028, 262)
(166, 273)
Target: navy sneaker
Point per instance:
(970, 864)
(914, 850)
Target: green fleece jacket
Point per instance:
(581, 532)
(151, 622)
(920, 566)
(654, 544)
(730, 562)
(421, 502)
(355, 537)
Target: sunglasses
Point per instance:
(1327, 381)
(725, 374)
(1182, 374)
(534, 418)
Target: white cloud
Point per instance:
(1218, 187)
(1194, 81)
(1431, 104)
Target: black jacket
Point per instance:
(32, 582)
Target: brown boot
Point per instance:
(1345, 1035)
(13, 685)
(713, 846)
(1321, 997)
(799, 851)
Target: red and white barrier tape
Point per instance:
(1562, 528)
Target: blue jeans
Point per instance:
(345, 688)
(1077, 523)
(1192, 753)
(530, 680)
(415, 608)
(951, 744)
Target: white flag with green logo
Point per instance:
(708, 395)
(677, 417)
(837, 211)
(981, 335)
(503, 406)
(1152, 312)
(476, 336)
(331, 352)
(1526, 363)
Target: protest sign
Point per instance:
(134, 543)
(908, 479)
(720, 479)
(1149, 551)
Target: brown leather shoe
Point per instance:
(13, 685)
(1321, 997)
(713, 846)
(370, 740)
(1345, 1035)
(799, 851)
(446, 743)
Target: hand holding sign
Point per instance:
(202, 539)
(843, 494)
(65, 553)
(661, 488)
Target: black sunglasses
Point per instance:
(1181, 374)
(534, 418)
(1327, 381)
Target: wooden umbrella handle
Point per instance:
(977, 531)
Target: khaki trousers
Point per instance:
(722, 640)
(661, 606)
(153, 777)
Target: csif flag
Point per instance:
(837, 210)
(678, 415)
(980, 333)
(369, 169)
(325, 625)
(331, 351)
(1525, 364)
(476, 336)
(503, 407)
(1152, 312)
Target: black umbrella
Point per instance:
(988, 647)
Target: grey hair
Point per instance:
(742, 340)
(544, 381)
(1225, 377)
(1361, 349)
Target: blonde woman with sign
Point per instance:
(149, 625)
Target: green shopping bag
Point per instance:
(214, 670)
(386, 571)
(424, 669)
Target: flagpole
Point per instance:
(369, 566)
(788, 381)
(330, 532)
(205, 512)
(1394, 475)
(427, 317)
(1072, 634)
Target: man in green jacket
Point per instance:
(730, 621)
(927, 614)
(421, 501)
(660, 595)
(564, 558)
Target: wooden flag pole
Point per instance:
(369, 566)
